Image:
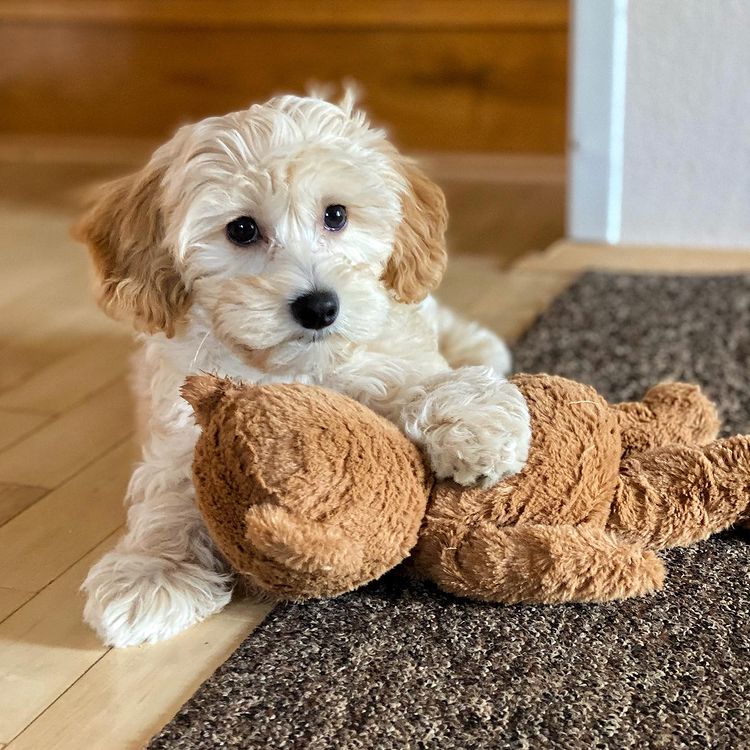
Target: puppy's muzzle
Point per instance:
(315, 310)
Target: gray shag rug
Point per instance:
(399, 664)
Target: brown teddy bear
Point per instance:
(310, 494)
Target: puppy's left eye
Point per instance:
(334, 218)
(243, 231)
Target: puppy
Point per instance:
(287, 242)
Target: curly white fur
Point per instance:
(473, 426)
(282, 162)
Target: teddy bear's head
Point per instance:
(301, 507)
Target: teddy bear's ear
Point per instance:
(203, 393)
(302, 558)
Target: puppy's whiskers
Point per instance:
(319, 336)
(198, 351)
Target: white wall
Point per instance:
(679, 169)
(597, 100)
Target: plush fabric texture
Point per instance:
(545, 535)
(400, 664)
(266, 467)
(309, 494)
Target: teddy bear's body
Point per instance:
(310, 494)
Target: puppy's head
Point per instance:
(293, 228)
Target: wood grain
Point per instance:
(46, 308)
(47, 339)
(56, 531)
(40, 258)
(129, 693)
(441, 87)
(505, 302)
(41, 655)
(71, 379)
(15, 425)
(294, 13)
(10, 601)
(574, 257)
(63, 446)
(503, 220)
(15, 498)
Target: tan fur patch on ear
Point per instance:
(124, 231)
(419, 256)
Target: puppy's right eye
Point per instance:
(243, 231)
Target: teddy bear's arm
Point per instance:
(678, 494)
(669, 413)
(537, 563)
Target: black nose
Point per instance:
(316, 310)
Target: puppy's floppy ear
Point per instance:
(419, 255)
(124, 231)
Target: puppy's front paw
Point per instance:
(134, 598)
(473, 426)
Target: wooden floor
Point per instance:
(66, 449)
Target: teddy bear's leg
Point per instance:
(680, 494)
(539, 564)
(669, 413)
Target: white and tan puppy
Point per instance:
(289, 241)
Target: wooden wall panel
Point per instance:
(295, 13)
(462, 86)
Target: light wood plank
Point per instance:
(577, 257)
(71, 379)
(30, 348)
(505, 302)
(46, 308)
(16, 425)
(11, 600)
(53, 280)
(41, 655)
(41, 257)
(510, 304)
(128, 694)
(464, 276)
(15, 498)
(503, 220)
(31, 252)
(67, 443)
(44, 540)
